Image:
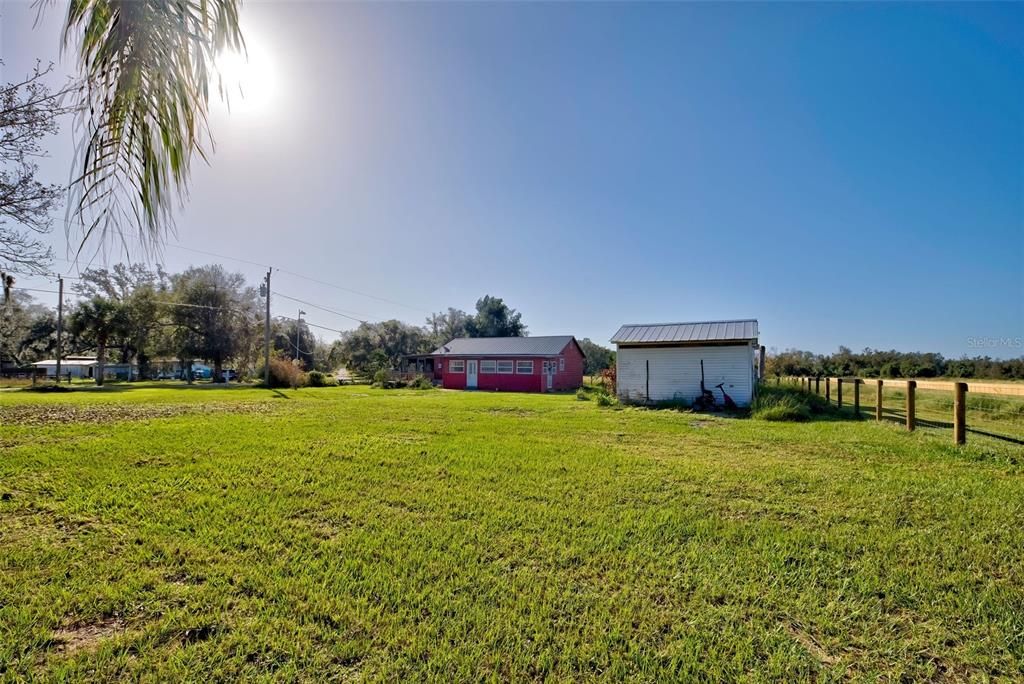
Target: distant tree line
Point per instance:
(876, 363)
(385, 345)
(130, 314)
(598, 358)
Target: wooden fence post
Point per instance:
(911, 418)
(839, 393)
(856, 397)
(828, 390)
(878, 400)
(959, 413)
(817, 385)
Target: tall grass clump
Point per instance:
(783, 404)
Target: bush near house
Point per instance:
(286, 373)
(320, 379)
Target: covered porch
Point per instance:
(422, 364)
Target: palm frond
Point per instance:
(146, 66)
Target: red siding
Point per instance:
(568, 379)
(572, 377)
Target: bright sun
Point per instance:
(249, 79)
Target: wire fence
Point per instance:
(983, 409)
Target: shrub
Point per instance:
(581, 395)
(609, 378)
(381, 377)
(285, 373)
(421, 382)
(319, 379)
(605, 399)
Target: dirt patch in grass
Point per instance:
(511, 411)
(810, 645)
(194, 635)
(32, 526)
(54, 414)
(87, 637)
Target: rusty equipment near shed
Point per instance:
(706, 400)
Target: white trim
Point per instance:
(524, 362)
(561, 364)
(456, 366)
(506, 363)
(484, 367)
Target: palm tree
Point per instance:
(146, 67)
(98, 321)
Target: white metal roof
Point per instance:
(699, 331)
(551, 345)
(69, 362)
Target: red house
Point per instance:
(511, 364)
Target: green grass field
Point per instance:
(356, 534)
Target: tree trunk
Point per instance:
(101, 358)
(218, 364)
(188, 371)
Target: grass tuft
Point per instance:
(787, 404)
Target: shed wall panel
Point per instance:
(675, 372)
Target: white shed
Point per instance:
(662, 361)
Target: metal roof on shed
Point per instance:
(505, 346)
(700, 331)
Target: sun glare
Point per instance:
(248, 79)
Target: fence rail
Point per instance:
(833, 390)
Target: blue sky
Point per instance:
(847, 174)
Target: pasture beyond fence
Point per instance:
(994, 409)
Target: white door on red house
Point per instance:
(549, 373)
(471, 374)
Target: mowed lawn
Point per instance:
(351, 533)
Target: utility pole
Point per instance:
(266, 333)
(298, 327)
(60, 322)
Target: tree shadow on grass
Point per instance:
(118, 387)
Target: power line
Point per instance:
(312, 325)
(222, 308)
(280, 270)
(297, 348)
(324, 327)
(33, 289)
(348, 289)
(352, 315)
(198, 306)
(214, 254)
(45, 276)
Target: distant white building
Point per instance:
(79, 367)
(662, 361)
